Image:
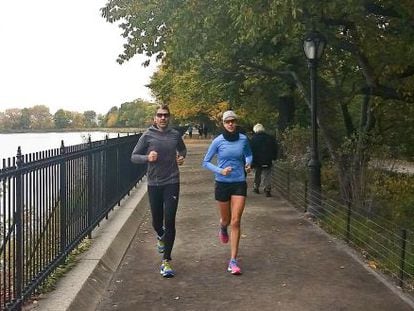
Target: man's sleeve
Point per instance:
(138, 155)
(181, 148)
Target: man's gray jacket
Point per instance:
(168, 144)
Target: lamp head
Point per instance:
(314, 45)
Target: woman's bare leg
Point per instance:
(225, 213)
(236, 211)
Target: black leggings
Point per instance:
(164, 202)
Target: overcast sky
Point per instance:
(62, 54)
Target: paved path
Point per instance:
(288, 263)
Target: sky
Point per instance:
(62, 54)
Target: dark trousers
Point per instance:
(164, 202)
(263, 175)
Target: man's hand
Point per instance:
(248, 168)
(180, 160)
(152, 156)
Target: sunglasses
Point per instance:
(165, 115)
(230, 121)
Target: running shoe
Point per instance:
(166, 270)
(223, 235)
(233, 268)
(160, 245)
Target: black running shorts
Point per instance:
(224, 191)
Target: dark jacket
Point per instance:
(264, 149)
(167, 143)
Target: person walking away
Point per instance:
(264, 150)
(205, 130)
(200, 131)
(190, 131)
(234, 158)
(163, 149)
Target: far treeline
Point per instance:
(248, 56)
(135, 114)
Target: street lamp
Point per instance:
(313, 46)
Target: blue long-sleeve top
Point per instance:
(229, 153)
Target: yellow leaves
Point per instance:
(217, 109)
(372, 264)
(112, 119)
(398, 185)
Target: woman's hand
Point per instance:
(226, 171)
(248, 168)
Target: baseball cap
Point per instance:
(229, 115)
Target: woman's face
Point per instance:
(230, 125)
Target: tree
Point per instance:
(249, 53)
(12, 118)
(90, 118)
(62, 119)
(78, 120)
(137, 113)
(2, 121)
(40, 117)
(111, 118)
(25, 119)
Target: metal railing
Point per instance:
(50, 201)
(382, 244)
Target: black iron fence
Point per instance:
(50, 201)
(383, 245)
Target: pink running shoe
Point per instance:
(233, 267)
(223, 235)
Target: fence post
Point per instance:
(348, 221)
(118, 171)
(19, 218)
(306, 196)
(288, 185)
(90, 188)
(402, 263)
(104, 175)
(62, 193)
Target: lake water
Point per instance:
(33, 142)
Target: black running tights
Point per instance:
(164, 202)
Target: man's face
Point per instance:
(162, 118)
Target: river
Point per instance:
(33, 142)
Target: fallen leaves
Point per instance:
(372, 264)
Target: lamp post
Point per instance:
(313, 46)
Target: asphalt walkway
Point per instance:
(288, 263)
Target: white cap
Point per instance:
(229, 115)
